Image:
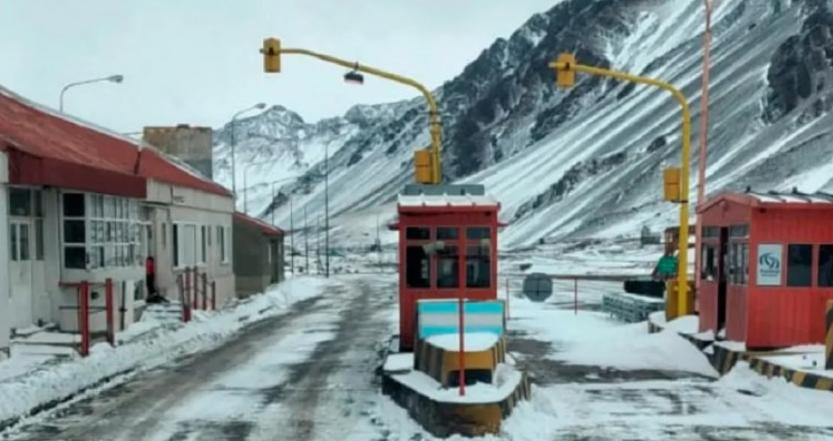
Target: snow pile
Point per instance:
(507, 379)
(472, 341)
(687, 324)
(19, 395)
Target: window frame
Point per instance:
(421, 242)
(435, 259)
(478, 243)
(810, 265)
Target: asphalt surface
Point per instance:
(305, 375)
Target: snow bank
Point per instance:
(472, 341)
(631, 348)
(49, 383)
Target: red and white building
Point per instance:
(80, 203)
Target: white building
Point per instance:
(79, 203)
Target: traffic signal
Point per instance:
(671, 184)
(271, 55)
(565, 72)
(424, 166)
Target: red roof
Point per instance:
(265, 228)
(773, 199)
(47, 148)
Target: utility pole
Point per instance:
(291, 235)
(378, 244)
(306, 240)
(318, 244)
(327, 210)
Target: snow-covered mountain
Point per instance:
(584, 162)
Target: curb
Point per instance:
(443, 419)
(723, 360)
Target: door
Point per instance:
(722, 276)
(20, 272)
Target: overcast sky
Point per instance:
(197, 61)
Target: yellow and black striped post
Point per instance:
(828, 340)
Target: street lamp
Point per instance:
(111, 78)
(676, 180)
(246, 187)
(258, 106)
(427, 167)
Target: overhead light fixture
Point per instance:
(354, 76)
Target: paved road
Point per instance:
(308, 374)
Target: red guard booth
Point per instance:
(767, 267)
(436, 224)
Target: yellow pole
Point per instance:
(435, 126)
(683, 306)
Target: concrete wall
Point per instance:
(190, 144)
(170, 205)
(4, 254)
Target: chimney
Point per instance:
(193, 145)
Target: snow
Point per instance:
(506, 376)
(25, 383)
(688, 324)
(399, 362)
(472, 341)
(807, 358)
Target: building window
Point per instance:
(224, 243)
(417, 267)
(418, 233)
(20, 202)
(100, 231)
(164, 235)
(478, 265)
(186, 245)
(799, 265)
(711, 232)
(204, 231)
(38, 239)
(825, 265)
(739, 231)
(448, 267)
(13, 242)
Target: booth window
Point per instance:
(478, 233)
(478, 266)
(709, 270)
(825, 265)
(418, 233)
(447, 233)
(739, 231)
(448, 267)
(418, 267)
(711, 231)
(799, 265)
(738, 263)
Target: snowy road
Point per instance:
(310, 374)
(307, 374)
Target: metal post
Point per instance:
(318, 244)
(213, 295)
(704, 136)
(195, 288)
(245, 192)
(575, 295)
(204, 291)
(291, 234)
(461, 282)
(186, 303)
(828, 340)
(306, 241)
(233, 160)
(84, 317)
(378, 244)
(108, 308)
(326, 210)
(507, 298)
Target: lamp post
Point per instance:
(111, 79)
(246, 187)
(258, 106)
(565, 67)
(291, 221)
(326, 211)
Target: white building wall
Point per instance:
(178, 205)
(5, 326)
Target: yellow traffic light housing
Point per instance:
(424, 166)
(565, 70)
(671, 184)
(271, 55)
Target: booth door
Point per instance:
(20, 272)
(722, 277)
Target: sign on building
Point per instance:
(769, 264)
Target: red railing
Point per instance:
(83, 313)
(190, 293)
